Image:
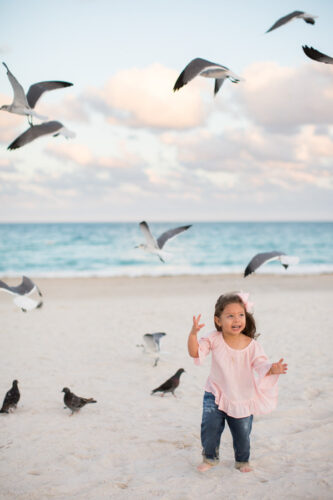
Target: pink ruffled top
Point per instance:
(238, 377)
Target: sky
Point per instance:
(261, 149)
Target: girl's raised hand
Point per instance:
(196, 325)
(279, 368)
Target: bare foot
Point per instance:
(204, 466)
(245, 468)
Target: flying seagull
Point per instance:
(171, 384)
(262, 258)
(34, 131)
(316, 55)
(11, 399)
(297, 14)
(26, 287)
(73, 402)
(155, 246)
(24, 104)
(152, 344)
(207, 69)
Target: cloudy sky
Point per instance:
(259, 150)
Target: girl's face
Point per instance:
(232, 319)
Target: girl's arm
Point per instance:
(192, 343)
(278, 368)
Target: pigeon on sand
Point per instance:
(73, 402)
(169, 385)
(11, 399)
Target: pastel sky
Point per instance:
(261, 149)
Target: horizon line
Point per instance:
(131, 221)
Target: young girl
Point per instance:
(241, 383)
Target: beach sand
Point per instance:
(134, 445)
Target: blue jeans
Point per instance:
(212, 425)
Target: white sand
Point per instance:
(134, 445)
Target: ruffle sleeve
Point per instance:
(266, 385)
(205, 346)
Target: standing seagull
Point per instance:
(34, 131)
(171, 384)
(316, 55)
(262, 258)
(26, 287)
(24, 104)
(152, 344)
(73, 402)
(207, 69)
(11, 399)
(297, 14)
(155, 246)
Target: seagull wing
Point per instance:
(5, 287)
(171, 233)
(157, 337)
(316, 55)
(25, 287)
(260, 259)
(147, 234)
(19, 94)
(193, 69)
(34, 132)
(152, 340)
(285, 19)
(37, 89)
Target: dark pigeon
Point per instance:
(171, 384)
(11, 399)
(73, 402)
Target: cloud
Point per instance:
(82, 155)
(70, 108)
(143, 97)
(254, 157)
(281, 98)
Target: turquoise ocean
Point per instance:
(107, 249)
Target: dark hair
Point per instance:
(234, 298)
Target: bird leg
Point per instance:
(156, 361)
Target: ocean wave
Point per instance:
(160, 271)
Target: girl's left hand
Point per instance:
(278, 368)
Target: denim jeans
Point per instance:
(212, 425)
